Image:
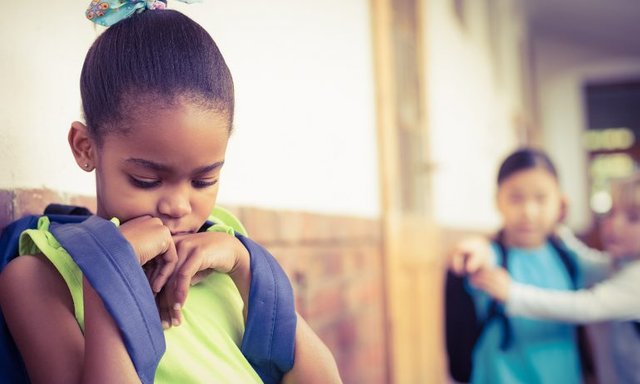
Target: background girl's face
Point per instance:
(530, 204)
(167, 165)
(620, 232)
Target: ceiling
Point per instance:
(611, 25)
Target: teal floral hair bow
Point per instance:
(109, 12)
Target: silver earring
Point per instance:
(86, 165)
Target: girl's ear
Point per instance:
(82, 146)
(564, 206)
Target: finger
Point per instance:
(170, 259)
(176, 315)
(148, 272)
(163, 310)
(457, 262)
(201, 275)
(479, 282)
(474, 263)
(183, 276)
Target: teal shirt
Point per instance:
(541, 351)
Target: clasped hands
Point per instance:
(172, 263)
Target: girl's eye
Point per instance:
(516, 199)
(144, 183)
(633, 217)
(203, 183)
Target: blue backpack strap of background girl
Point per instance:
(109, 263)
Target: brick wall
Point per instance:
(333, 262)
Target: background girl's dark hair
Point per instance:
(158, 56)
(523, 159)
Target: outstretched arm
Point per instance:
(595, 264)
(613, 299)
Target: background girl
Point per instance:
(530, 203)
(614, 299)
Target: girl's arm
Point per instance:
(613, 299)
(106, 359)
(314, 362)
(38, 310)
(595, 264)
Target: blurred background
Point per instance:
(368, 135)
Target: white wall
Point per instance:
(475, 104)
(562, 68)
(305, 131)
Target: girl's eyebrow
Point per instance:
(208, 168)
(165, 168)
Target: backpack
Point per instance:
(462, 326)
(269, 337)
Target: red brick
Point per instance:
(326, 301)
(6, 208)
(261, 224)
(290, 227)
(34, 201)
(365, 292)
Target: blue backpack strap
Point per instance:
(269, 336)
(496, 309)
(11, 237)
(462, 327)
(109, 263)
(567, 258)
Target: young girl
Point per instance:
(613, 299)
(158, 103)
(530, 203)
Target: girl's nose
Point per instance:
(530, 210)
(175, 204)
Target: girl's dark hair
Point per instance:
(157, 55)
(523, 159)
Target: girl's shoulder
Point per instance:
(31, 278)
(43, 271)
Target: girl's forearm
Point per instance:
(614, 299)
(314, 362)
(106, 357)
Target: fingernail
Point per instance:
(177, 307)
(175, 322)
(165, 324)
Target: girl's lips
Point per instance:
(177, 233)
